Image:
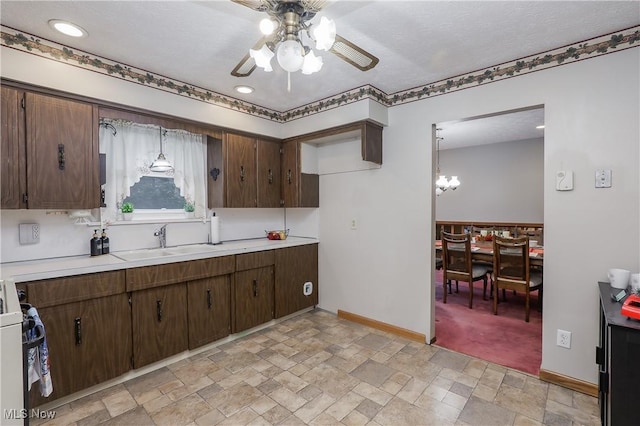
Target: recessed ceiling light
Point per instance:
(244, 89)
(540, 126)
(67, 28)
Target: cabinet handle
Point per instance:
(159, 309)
(61, 156)
(289, 176)
(270, 176)
(209, 298)
(255, 288)
(77, 324)
(242, 173)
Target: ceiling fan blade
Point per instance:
(353, 54)
(245, 67)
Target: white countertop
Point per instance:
(41, 269)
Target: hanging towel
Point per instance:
(38, 358)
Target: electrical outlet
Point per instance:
(564, 339)
(29, 233)
(353, 224)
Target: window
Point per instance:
(155, 193)
(130, 148)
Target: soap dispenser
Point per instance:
(105, 242)
(96, 244)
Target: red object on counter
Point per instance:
(631, 307)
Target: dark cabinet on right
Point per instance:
(617, 357)
(295, 268)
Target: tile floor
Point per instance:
(321, 370)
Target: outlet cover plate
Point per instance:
(29, 233)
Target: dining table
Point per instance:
(483, 251)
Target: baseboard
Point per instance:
(378, 325)
(569, 382)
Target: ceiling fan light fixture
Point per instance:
(311, 63)
(324, 33)
(267, 26)
(290, 55)
(262, 57)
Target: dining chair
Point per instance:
(457, 264)
(511, 270)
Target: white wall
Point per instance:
(383, 269)
(501, 182)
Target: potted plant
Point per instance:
(127, 211)
(189, 209)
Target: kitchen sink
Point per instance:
(165, 252)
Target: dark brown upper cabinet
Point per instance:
(243, 172)
(52, 144)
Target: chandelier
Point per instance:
(442, 184)
(291, 42)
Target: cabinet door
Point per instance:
(254, 297)
(269, 187)
(89, 342)
(294, 267)
(12, 155)
(290, 174)
(241, 176)
(159, 317)
(62, 154)
(209, 310)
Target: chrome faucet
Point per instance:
(162, 236)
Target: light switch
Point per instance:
(603, 178)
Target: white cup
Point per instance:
(506, 234)
(533, 243)
(619, 278)
(634, 281)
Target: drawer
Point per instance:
(254, 260)
(179, 272)
(58, 291)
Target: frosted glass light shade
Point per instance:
(311, 63)
(267, 26)
(262, 57)
(161, 164)
(290, 55)
(442, 183)
(454, 182)
(324, 33)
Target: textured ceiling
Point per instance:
(417, 42)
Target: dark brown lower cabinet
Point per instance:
(295, 266)
(89, 342)
(159, 323)
(209, 310)
(253, 297)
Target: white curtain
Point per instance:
(130, 149)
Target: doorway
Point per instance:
(499, 163)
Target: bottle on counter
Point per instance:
(96, 244)
(105, 242)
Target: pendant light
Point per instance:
(442, 184)
(161, 164)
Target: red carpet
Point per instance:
(504, 339)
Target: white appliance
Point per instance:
(11, 389)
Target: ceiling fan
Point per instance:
(291, 36)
